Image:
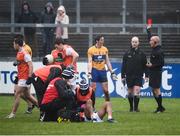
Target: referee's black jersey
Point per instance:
(157, 59)
(134, 64)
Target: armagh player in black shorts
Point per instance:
(155, 67)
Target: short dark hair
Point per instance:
(19, 36)
(59, 41)
(19, 41)
(98, 37)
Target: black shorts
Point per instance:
(51, 109)
(39, 87)
(155, 79)
(54, 105)
(134, 81)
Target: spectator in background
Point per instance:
(48, 16)
(62, 18)
(27, 16)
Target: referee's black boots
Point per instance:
(159, 109)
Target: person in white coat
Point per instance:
(62, 18)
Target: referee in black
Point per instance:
(155, 69)
(133, 68)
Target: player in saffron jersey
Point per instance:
(97, 59)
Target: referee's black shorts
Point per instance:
(134, 81)
(155, 78)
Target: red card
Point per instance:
(149, 22)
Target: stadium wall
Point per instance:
(170, 86)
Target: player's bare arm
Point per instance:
(108, 64)
(30, 68)
(89, 63)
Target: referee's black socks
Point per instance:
(158, 100)
(131, 100)
(136, 103)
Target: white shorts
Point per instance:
(86, 119)
(96, 118)
(22, 83)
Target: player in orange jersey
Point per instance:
(64, 54)
(85, 97)
(28, 49)
(25, 69)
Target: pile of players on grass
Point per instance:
(61, 99)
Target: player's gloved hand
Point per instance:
(45, 61)
(114, 76)
(15, 63)
(89, 75)
(29, 80)
(148, 27)
(123, 80)
(15, 81)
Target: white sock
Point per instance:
(109, 117)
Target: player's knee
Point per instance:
(17, 95)
(107, 103)
(89, 102)
(93, 86)
(27, 95)
(156, 91)
(106, 92)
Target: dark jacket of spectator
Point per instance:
(48, 17)
(27, 16)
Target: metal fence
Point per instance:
(90, 28)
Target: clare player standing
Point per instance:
(97, 59)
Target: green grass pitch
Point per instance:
(143, 123)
